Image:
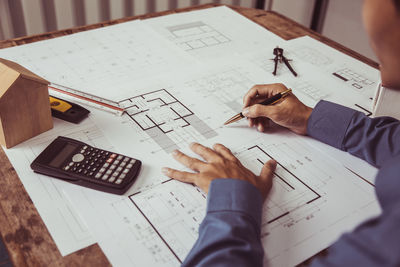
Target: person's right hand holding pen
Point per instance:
(289, 113)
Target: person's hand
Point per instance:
(219, 163)
(289, 112)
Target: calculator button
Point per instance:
(126, 159)
(84, 147)
(85, 172)
(119, 169)
(82, 151)
(132, 161)
(125, 171)
(79, 171)
(122, 176)
(98, 175)
(78, 158)
(113, 155)
(67, 167)
(112, 167)
(94, 169)
(106, 165)
(102, 170)
(116, 162)
(116, 173)
(109, 160)
(130, 165)
(118, 181)
(112, 179)
(71, 163)
(90, 173)
(74, 169)
(105, 177)
(119, 157)
(91, 149)
(108, 172)
(122, 164)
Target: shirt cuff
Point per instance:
(235, 195)
(328, 123)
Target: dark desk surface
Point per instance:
(23, 231)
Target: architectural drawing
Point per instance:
(299, 199)
(196, 35)
(165, 119)
(354, 79)
(226, 88)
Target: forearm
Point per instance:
(374, 140)
(230, 232)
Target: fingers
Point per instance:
(267, 172)
(258, 110)
(265, 90)
(187, 161)
(186, 177)
(206, 153)
(225, 152)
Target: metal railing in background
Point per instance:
(27, 17)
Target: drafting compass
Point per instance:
(279, 58)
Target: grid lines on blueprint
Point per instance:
(196, 35)
(165, 119)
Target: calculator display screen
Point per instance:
(64, 153)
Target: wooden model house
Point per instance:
(24, 104)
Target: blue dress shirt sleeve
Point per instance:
(374, 140)
(230, 233)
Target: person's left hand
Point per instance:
(219, 163)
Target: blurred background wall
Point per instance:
(341, 20)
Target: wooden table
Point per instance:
(23, 231)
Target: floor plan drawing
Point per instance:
(165, 119)
(226, 88)
(289, 192)
(196, 35)
(175, 212)
(354, 79)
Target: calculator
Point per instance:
(79, 163)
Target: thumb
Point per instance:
(267, 172)
(256, 111)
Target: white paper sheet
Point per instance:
(105, 62)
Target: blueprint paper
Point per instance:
(106, 62)
(213, 32)
(305, 211)
(304, 214)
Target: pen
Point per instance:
(268, 101)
